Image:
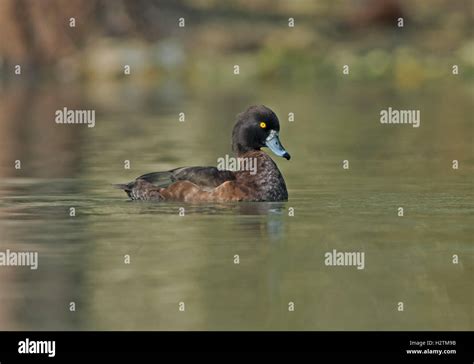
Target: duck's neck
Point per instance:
(272, 183)
(240, 150)
(267, 177)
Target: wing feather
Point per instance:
(205, 177)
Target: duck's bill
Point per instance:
(273, 142)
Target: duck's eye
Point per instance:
(263, 125)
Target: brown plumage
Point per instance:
(257, 127)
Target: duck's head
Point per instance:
(255, 128)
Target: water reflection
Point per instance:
(28, 132)
(34, 220)
(190, 258)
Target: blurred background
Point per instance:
(190, 70)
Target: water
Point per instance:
(190, 258)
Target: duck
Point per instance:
(255, 128)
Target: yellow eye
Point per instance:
(263, 125)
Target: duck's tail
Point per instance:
(140, 190)
(126, 187)
(122, 186)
